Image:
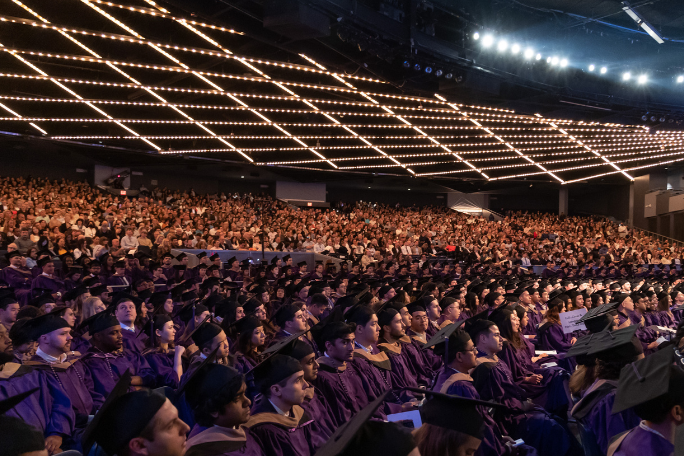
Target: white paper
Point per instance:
(660, 340)
(545, 352)
(413, 415)
(569, 320)
(547, 365)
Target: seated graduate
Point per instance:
(652, 387)
(250, 342)
(450, 311)
(391, 331)
(546, 387)
(107, 359)
(18, 437)
(550, 335)
(612, 350)
(126, 309)
(315, 404)
(454, 379)
(139, 423)
(362, 436)
(165, 359)
(48, 410)
(522, 419)
(278, 421)
(216, 394)
(338, 380)
(54, 359)
(422, 330)
(23, 344)
(208, 337)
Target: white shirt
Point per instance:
(278, 411)
(127, 328)
(51, 359)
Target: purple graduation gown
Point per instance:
(319, 410)
(217, 441)
(76, 382)
(279, 435)
(494, 382)
(416, 361)
(244, 364)
(49, 283)
(343, 389)
(20, 279)
(48, 409)
(640, 442)
(594, 411)
(449, 381)
(551, 393)
(107, 368)
(431, 361)
(133, 342)
(401, 375)
(162, 364)
(375, 368)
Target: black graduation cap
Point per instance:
(203, 332)
(416, 306)
(362, 436)
(43, 261)
(286, 257)
(651, 385)
(449, 332)
(617, 345)
(283, 343)
(8, 404)
(41, 299)
(456, 413)
(12, 254)
(181, 256)
(230, 261)
(180, 267)
(210, 282)
(301, 264)
(274, 260)
(275, 369)
(599, 318)
(98, 290)
(122, 418)
(201, 255)
(100, 322)
(75, 293)
(215, 256)
(208, 380)
(47, 323)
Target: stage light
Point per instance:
(554, 61)
(548, 60)
(448, 76)
(662, 119)
(529, 53)
(416, 67)
(406, 64)
(487, 41)
(476, 36)
(564, 63)
(643, 79)
(626, 76)
(648, 28)
(604, 70)
(644, 118)
(539, 56)
(502, 46)
(515, 49)
(680, 79)
(653, 118)
(439, 73)
(592, 67)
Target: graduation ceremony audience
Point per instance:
(110, 344)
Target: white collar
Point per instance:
(47, 275)
(127, 328)
(51, 359)
(278, 411)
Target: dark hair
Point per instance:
(506, 329)
(335, 330)
(203, 410)
(610, 370)
(361, 316)
(319, 299)
(244, 344)
(471, 303)
(432, 439)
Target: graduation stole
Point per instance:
(327, 363)
(299, 418)
(445, 323)
(314, 319)
(458, 376)
(380, 360)
(396, 349)
(62, 367)
(217, 440)
(9, 369)
(419, 338)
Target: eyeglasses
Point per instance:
(472, 350)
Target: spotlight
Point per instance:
(538, 57)
(476, 36)
(662, 119)
(406, 64)
(626, 76)
(653, 118)
(643, 79)
(515, 49)
(428, 69)
(487, 41)
(604, 70)
(416, 67)
(670, 120)
(554, 61)
(644, 118)
(439, 73)
(680, 79)
(592, 67)
(564, 63)
(548, 60)
(529, 53)
(448, 76)
(503, 45)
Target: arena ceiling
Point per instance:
(150, 77)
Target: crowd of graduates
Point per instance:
(160, 359)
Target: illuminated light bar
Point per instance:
(19, 117)
(562, 131)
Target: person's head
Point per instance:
(486, 336)
(125, 312)
(250, 334)
(462, 351)
(217, 396)
(148, 425)
(9, 308)
(419, 317)
(318, 304)
(106, 334)
(283, 381)
(626, 303)
(367, 329)
(432, 308)
(20, 438)
(209, 337)
(450, 309)
(337, 339)
(290, 318)
(391, 325)
(15, 258)
(53, 334)
(164, 329)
